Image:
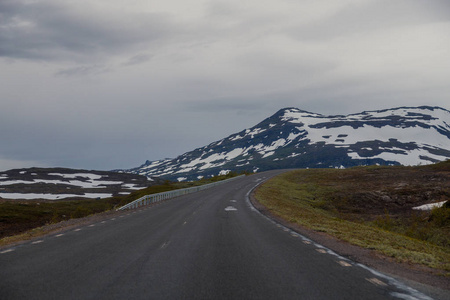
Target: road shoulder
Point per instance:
(419, 277)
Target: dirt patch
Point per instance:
(394, 190)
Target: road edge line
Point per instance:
(409, 291)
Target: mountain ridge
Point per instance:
(295, 138)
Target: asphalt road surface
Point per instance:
(208, 245)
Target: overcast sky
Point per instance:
(108, 84)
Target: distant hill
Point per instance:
(62, 183)
(293, 138)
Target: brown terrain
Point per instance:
(382, 197)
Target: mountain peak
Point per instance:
(294, 138)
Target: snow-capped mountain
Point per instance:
(63, 183)
(293, 138)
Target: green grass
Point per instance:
(323, 200)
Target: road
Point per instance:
(208, 245)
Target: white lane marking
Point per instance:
(376, 281)
(78, 229)
(92, 225)
(185, 222)
(59, 235)
(344, 263)
(286, 229)
(165, 245)
(7, 251)
(113, 219)
(321, 251)
(234, 201)
(294, 234)
(37, 242)
(121, 216)
(230, 208)
(102, 222)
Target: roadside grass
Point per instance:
(26, 217)
(320, 199)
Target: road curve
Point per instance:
(208, 245)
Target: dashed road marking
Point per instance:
(307, 242)
(294, 234)
(102, 222)
(59, 235)
(6, 251)
(285, 229)
(344, 263)
(121, 216)
(230, 208)
(113, 219)
(92, 225)
(321, 251)
(37, 242)
(165, 245)
(376, 281)
(78, 229)
(185, 222)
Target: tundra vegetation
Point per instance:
(371, 207)
(26, 216)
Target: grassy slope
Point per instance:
(324, 200)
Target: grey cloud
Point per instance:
(138, 59)
(176, 81)
(83, 70)
(284, 64)
(221, 8)
(49, 30)
(362, 18)
(226, 104)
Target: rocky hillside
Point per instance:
(293, 138)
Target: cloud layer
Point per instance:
(104, 85)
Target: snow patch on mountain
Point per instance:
(404, 157)
(33, 196)
(90, 176)
(293, 138)
(60, 183)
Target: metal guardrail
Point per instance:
(153, 198)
